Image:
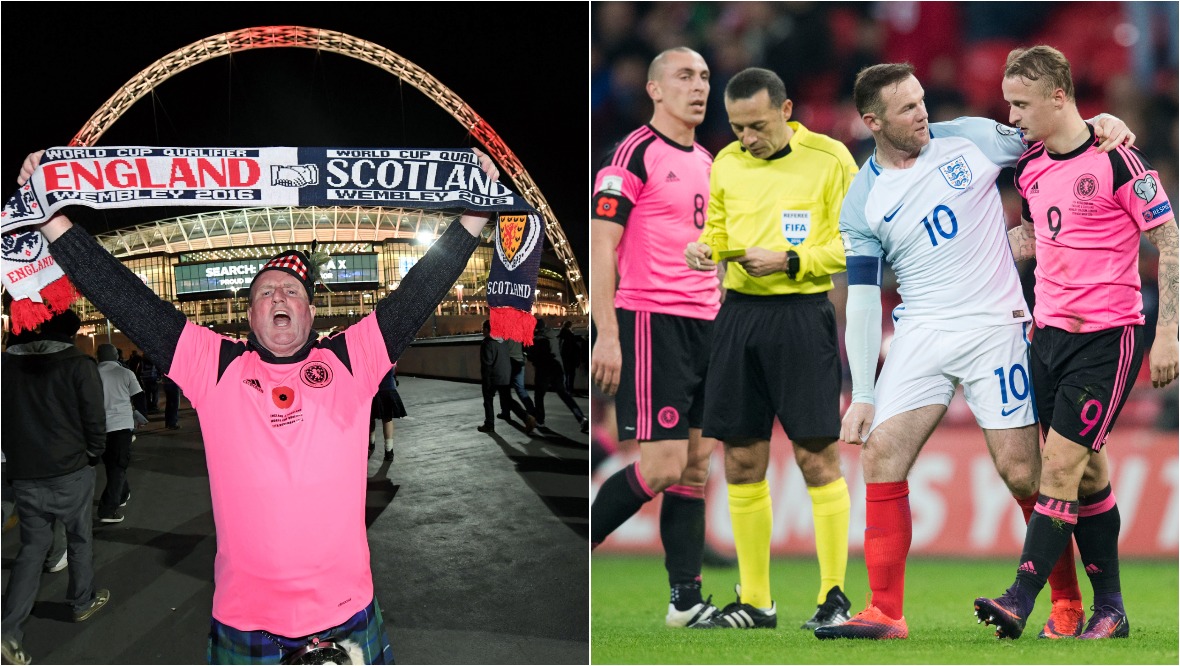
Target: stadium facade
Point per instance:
(203, 263)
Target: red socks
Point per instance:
(888, 532)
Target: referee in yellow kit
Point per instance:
(774, 211)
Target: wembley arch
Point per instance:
(374, 54)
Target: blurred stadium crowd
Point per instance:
(1123, 55)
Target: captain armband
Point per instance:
(865, 270)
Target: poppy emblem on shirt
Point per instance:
(283, 397)
(607, 207)
(1085, 187)
(316, 374)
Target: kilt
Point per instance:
(366, 630)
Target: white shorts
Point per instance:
(924, 366)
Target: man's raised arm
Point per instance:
(402, 312)
(152, 323)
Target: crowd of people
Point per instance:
(555, 357)
(724, 265)
(86, 408)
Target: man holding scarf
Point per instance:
(287, 418)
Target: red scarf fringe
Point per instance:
(58, 296)
(512, 324)
(28, 314)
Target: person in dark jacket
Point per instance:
(516, 357)
(149, 379)
(495, 373)
(171, 403)
(134, 362)
(545, 355)
(53, 436)
(573, 353)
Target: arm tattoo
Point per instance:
(1022, 240)
(1166, 240)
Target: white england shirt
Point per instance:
(940, 224)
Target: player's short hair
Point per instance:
(656, 68)
(748, 82)
(870, 81)
(1041, 63)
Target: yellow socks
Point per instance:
(750, 513)
(830, 508)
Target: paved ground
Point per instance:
(478, 543)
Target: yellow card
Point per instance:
(726, 255)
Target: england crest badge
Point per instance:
(957, 173)
(24, 247)
(22, 208)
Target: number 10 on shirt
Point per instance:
(937, 224)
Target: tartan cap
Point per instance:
(291, 262)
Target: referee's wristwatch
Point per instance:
(792, 264)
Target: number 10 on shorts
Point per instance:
(1014, 380)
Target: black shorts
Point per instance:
(662, 386)
(1081, 380)
(387, 405)
(774, 356)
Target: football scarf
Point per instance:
(111, 177)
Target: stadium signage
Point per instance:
(229, 275)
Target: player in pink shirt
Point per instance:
(654, 324)
(1083, 214)
(285, 422)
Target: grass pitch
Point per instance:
(629, 599)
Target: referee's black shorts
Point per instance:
(662, 385)
(774, 356)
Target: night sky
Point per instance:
(522, 71)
